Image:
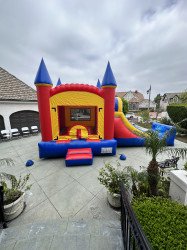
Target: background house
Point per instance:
(18, 103)
(134, 98)
(169, 98)
(143, 105)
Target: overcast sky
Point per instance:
(144, 40)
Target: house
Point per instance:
(134, 98)
(169, 98)
(18, 103)
(145, 105)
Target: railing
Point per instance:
(133, 235)
(2, 219)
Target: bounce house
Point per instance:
(79, 121)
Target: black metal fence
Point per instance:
(2, 219)
(133, 235)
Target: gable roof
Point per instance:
(137, 96)
(120, 94)
(170, 95)
(13, 89)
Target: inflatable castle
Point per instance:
(79, 121)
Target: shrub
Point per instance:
(140, 184)
(178, 114)
(145, 115)
(125, 106)
(185, 166)
(163, 221)
(111, 178)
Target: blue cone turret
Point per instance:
(42, 75)
(98, 84)
(109, 79)
(59, 82)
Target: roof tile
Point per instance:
(13, 89)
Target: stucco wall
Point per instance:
(7, 108)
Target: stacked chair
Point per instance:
(34, 130)
(7, 134)
(25, 131)
(15, 133)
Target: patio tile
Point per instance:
(55, 182)
(36, 243)
(71, 199)
(45, 211)
(8, 245)
(103, 243)
(77, 171)
(15, 233)
(97, 209)
(90, 181)
(42, 169)
(71, 242)
(34, 196)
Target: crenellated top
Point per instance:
(76, 87)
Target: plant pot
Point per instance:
(114, 199)
(14, 209)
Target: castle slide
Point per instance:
(128, 135)
(125, 132)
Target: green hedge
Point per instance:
(177, 113)
(163, 221)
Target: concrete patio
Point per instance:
(61, 193)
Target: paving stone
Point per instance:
(55, 182)
(35, 243)
(78, 171)
(45, 211)
(7, 245)
(90, 181)
(71, 242)
(97, 209)
(71, 199)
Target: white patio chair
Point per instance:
(5, 134)
(34, 130)
(25, 131)
(15, 133)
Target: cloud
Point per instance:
(144, 41)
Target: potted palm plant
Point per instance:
(111, 178)
(14, 192)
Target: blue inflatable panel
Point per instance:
(55, 150)
(116, 104)
(130, 142)
(162, 129)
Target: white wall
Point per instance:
(7, 108)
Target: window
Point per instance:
(80, 114)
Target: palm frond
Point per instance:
(177, 152)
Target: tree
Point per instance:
(125, 106)
(154, 146)
(157, 100)
(145, 115)
(183, 97)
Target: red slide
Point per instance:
(120, 131)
